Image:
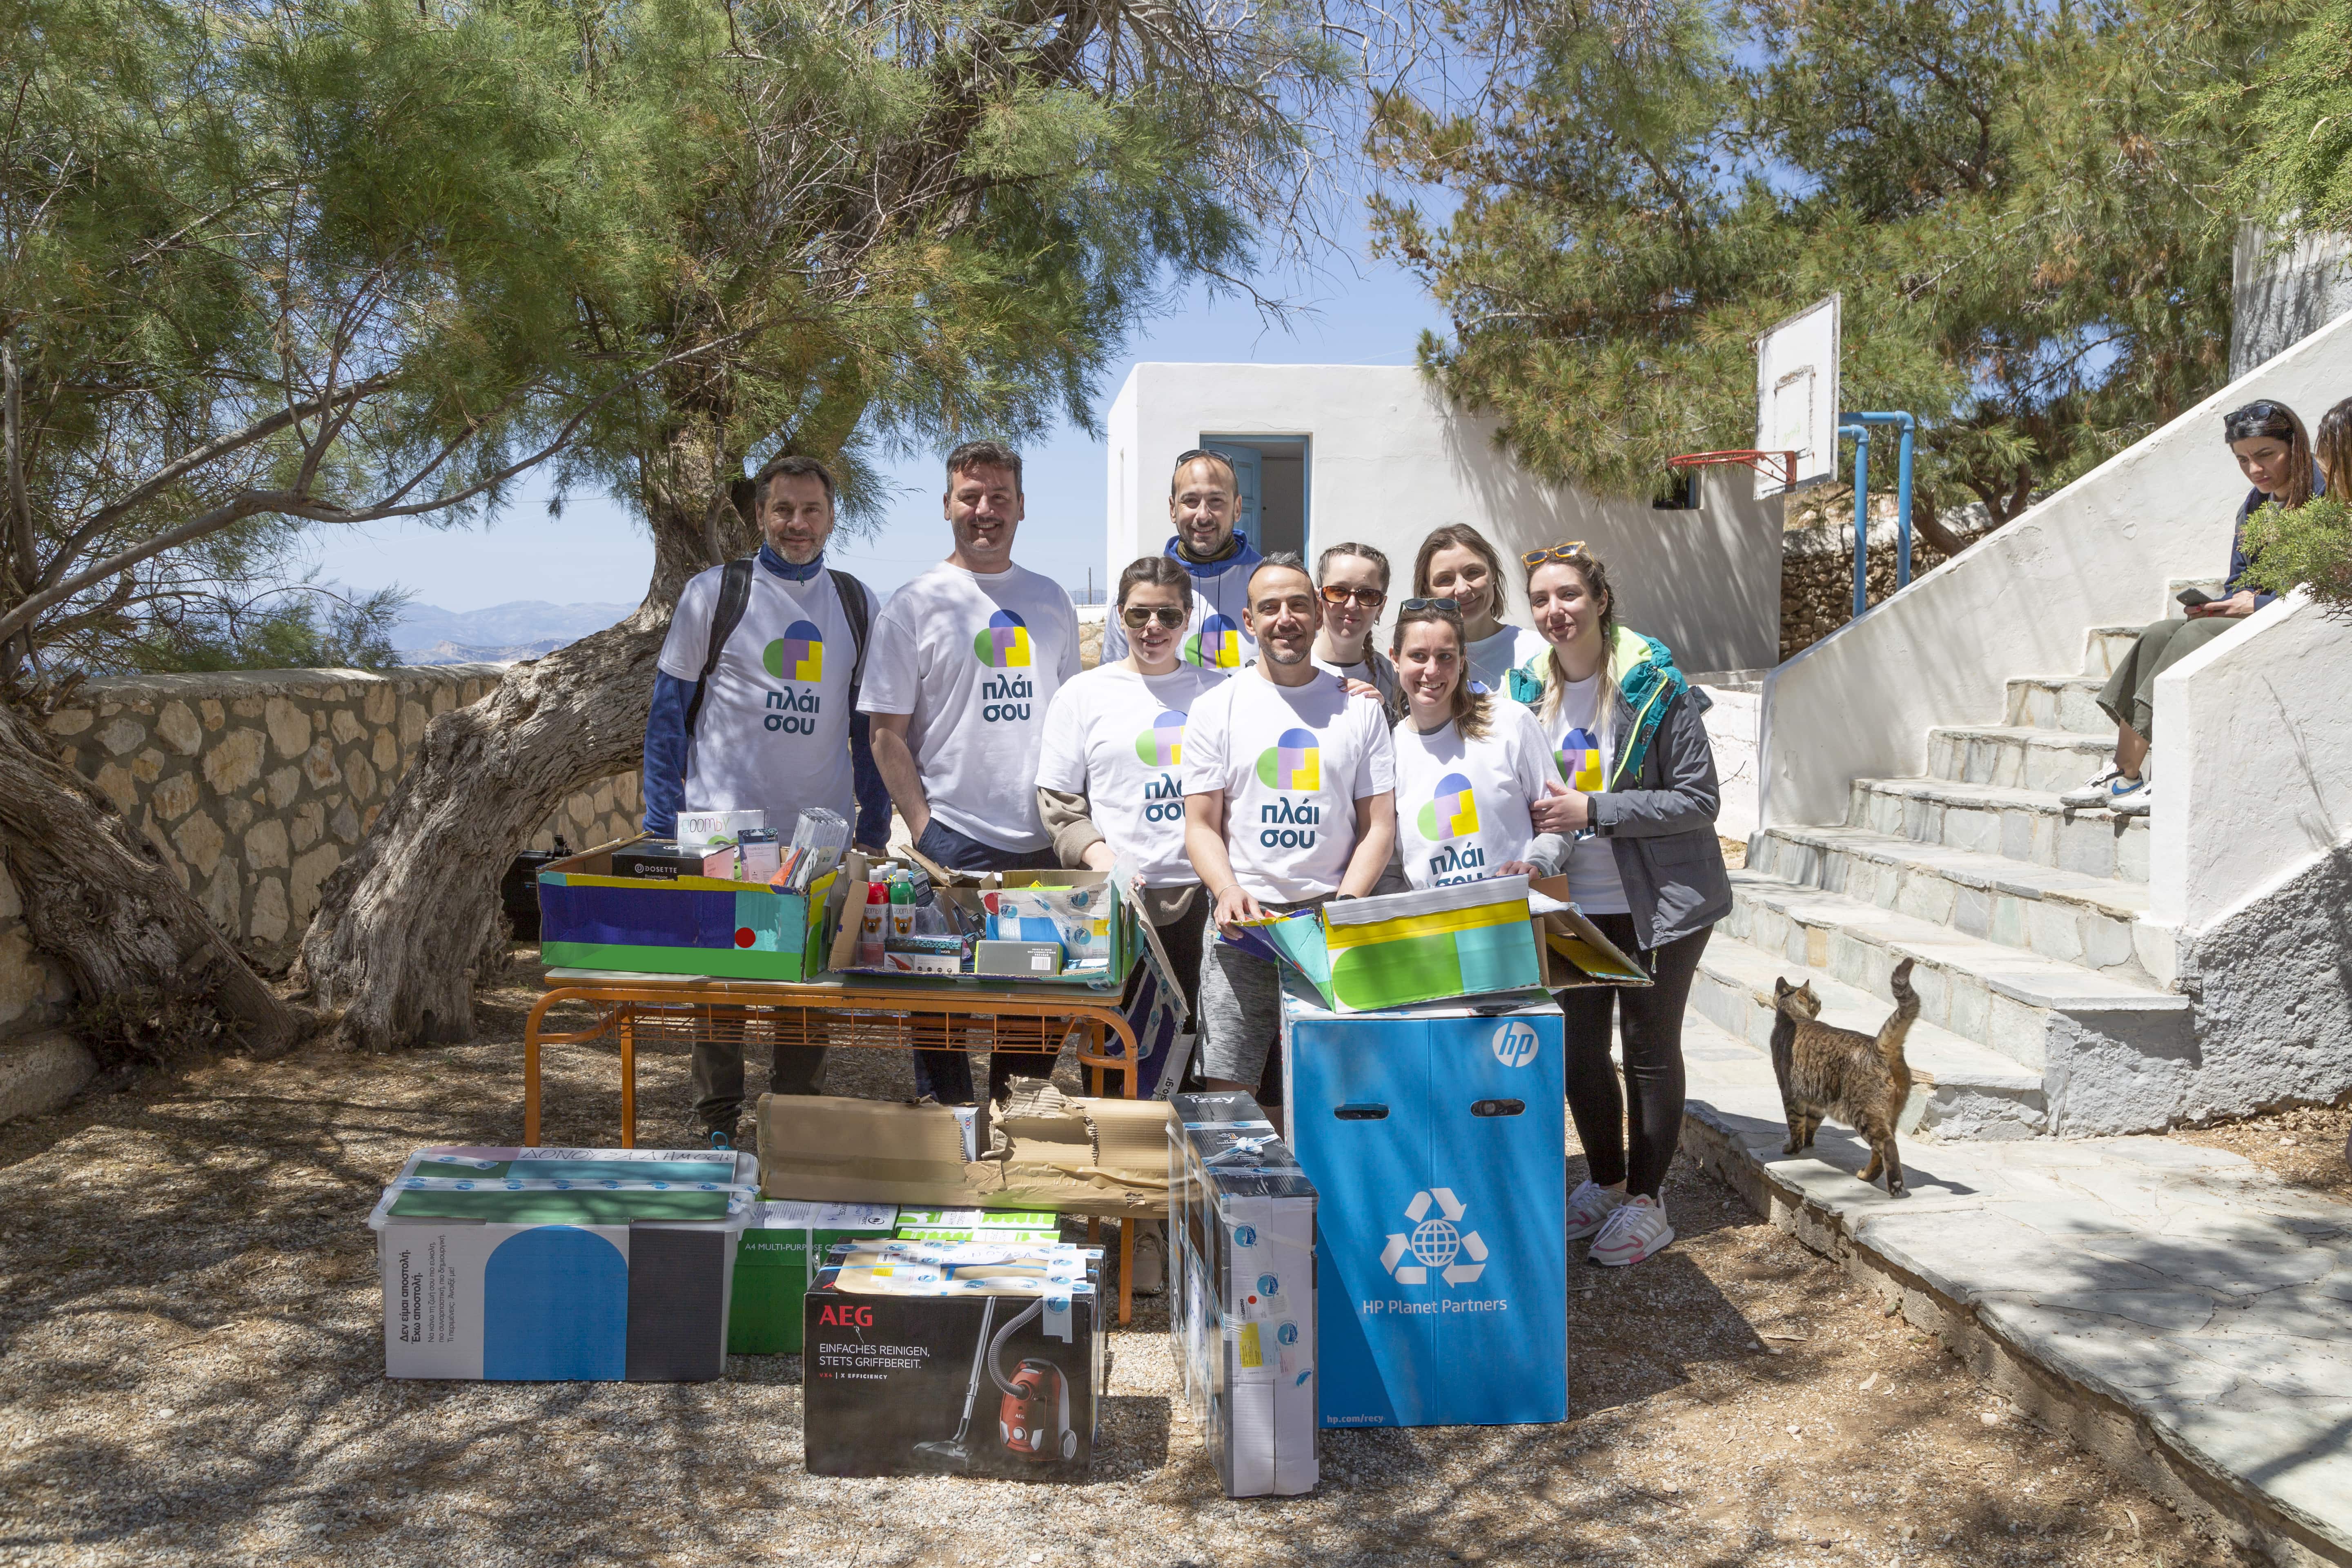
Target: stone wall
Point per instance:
(1817, 561)
(254, 785)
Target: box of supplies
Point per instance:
(1243, 1291)
(1434, 1137)
(1436, 944)
(1079, 922)
(561, 1265)
(963, 1359)
(781, 1250)
(591, 917)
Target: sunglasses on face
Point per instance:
(1531, 559)
(1370, 598)
(1141, 615)
(1414, 606)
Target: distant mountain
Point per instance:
(447, 652)
(525, 622)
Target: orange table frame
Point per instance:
(618, 998)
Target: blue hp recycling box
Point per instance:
(1434, 1136)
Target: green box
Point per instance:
(1004, 1226)
(773, 1267)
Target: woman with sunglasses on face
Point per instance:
(1110, 784)
(1468, 764)
(1456, 562)
(1644, 865)
(1353, 580)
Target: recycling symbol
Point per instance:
(1435, 1242)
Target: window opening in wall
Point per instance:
(1271, 471)
(1682, 493)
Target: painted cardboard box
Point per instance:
(1243, 1292)
(559, 1265)
(782, 1247)
(590, 918)
(1434, 1136)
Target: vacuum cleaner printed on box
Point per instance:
(971, 1358)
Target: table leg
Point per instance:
(628, 1076)
(1127, 1269)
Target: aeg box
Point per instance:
(781, 1248)
(515, 1264)
(1242, 1309)
(1434, 1135)
(965, 1359)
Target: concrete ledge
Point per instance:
(2172, 1308)
(40, 1072)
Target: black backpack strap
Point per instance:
(853, 605)
(734, 593)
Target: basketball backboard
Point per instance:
(1796, 398)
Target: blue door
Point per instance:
(1249, 478)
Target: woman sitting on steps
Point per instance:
(2272, 449)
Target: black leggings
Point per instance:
(1649, 1021)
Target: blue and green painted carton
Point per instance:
(590, 918)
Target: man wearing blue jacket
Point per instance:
(755, 708)
(1203, 502)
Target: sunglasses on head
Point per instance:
(1415, 606)
(1531, 559)
(1370, 598)
(1141, 615)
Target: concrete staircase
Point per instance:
(2034, 962)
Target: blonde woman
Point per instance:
(1456, 562)
(1644, 865)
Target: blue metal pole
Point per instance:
(1861, 434)
(1908, 426)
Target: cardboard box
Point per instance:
(976, 1359)
(470, 1164)
(1242, 1303)
(779, 1252)
(1066, 1154)
(499, 1267)
(1024, 960)
(1575, 953)
(591, 918)
(1434, 1137)
(1111, 944)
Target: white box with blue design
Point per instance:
(1241, 1301)
(1434, 1136)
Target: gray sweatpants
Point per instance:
(1240, 1006)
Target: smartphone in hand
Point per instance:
(2194, 598)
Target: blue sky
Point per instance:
(1363, 312)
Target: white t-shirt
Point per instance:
(1293, 761)
(1117, 738)
(1493, 658)
(1214, 636)
(773, 730)
(975, 661)
(1462, 804)
(1582, 748)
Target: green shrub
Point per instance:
(2312, 544)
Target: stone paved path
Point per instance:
(2185, 1285)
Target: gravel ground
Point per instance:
(2309, 1146)
(191, 1372)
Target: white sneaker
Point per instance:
(2110, 789)
(2137, 802)
(1589, 1208)
(1637, 1232)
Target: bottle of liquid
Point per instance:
(902, 906)
(869, 933)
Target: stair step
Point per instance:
(1959, 1088)
(2059, 703)
(2105, 647)
(2063, 915)
(2024, 824)
(1999, 997)
(2016, 756)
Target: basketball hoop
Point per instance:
(1746, 456)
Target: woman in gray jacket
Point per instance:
(1640, 803)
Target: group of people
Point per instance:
(1244, 747)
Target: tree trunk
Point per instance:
(100, 901)
(411, 918)
(1931, 528)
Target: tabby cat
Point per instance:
(1828, 1071)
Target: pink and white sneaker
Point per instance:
(1635, 1233)
(1589, 1208)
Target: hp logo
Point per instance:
(1515, 1044)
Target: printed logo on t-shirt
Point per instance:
(1162, 745)
(1004, 644)
(1579, 761)
(1217, 646)
(1292, 763)
(798, 654)
(1452, 812)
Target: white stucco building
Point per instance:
(1375, 454)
